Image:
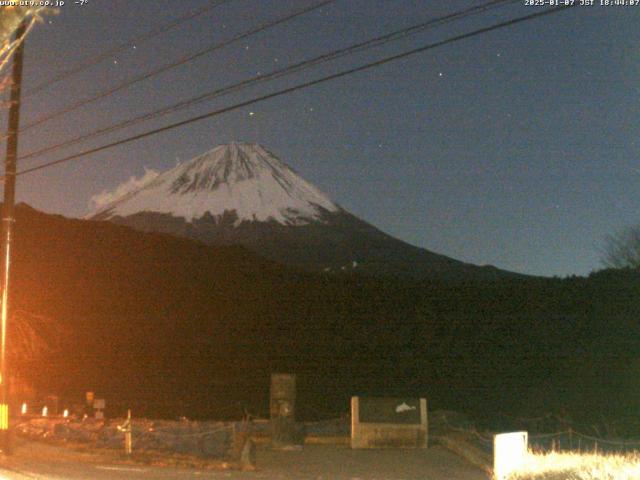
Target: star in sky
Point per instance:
(509, 91)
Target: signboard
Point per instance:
(282, 407)
(283, 395)
(388, 422)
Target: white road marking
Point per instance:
(122, 469)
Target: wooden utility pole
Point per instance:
(7, 224)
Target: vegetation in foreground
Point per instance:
(579, 466)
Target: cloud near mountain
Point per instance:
(100, 200)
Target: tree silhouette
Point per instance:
(622, 249)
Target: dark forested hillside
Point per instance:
(173, 325)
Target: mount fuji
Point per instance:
(242, 194)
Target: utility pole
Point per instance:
(7, 224)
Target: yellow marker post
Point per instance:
(4, 417)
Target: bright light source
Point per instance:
(65, 414)
(45, 411)
(509, 453)
(23, 410)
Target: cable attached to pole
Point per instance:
(101, 57)
(276, 74)
(165, 68)
(295, 88)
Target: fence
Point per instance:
(572, 441)
(567, 440)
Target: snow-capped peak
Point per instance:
(236, 177)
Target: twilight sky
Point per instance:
(518, 148)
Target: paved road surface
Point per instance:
(36, 461)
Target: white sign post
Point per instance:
(127, 428)
(509, 453)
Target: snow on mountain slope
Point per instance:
(241, 194)
(237, 177)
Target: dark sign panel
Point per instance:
(390, 410)
(283, 395)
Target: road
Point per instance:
(38, 461)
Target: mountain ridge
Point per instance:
(240, 193)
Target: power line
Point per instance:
(298, 87)
(182, 61)
(297, 67)
(123, 46)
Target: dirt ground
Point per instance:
(313, 462)
(340, 462)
